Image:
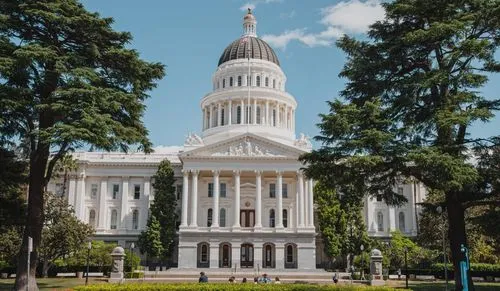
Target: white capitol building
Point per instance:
(242, 198)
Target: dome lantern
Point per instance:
(249, 24)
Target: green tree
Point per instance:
(64, 166)
(150, 239)
(62, 233)
(67, 79)
(164, 211)
(100, 255)
(412, 94)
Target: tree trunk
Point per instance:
(45, 268)
(457, 236)
(34, 221)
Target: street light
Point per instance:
(406, 266)
(362, 247)
(439, 209)
(89, 247)
(132, 246)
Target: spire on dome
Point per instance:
(249, 24)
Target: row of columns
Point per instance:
(212, 114)
(304, 200)
(273, 82)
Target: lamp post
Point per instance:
(439, 209)
(132, 246)
(362, 247)
(89, 247)
(406, 266)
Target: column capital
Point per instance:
(125, 177)
(185, 172)
(279, 172)
(216, 172)
(300, 173)
(195, 172)
(236, 172)
(258, 173)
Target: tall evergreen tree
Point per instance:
(66, 79)
(150, 239)
(411, 96)
(163, 210)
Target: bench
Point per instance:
(66, 275)
(425, 277)
(91, 274)
(396, 277)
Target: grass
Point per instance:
(54, 284)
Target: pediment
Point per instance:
(246, 146)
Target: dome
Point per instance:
(259, 49)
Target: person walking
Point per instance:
(203, 278)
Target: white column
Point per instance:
(311, 203)
(194, 200)
(185, 191)
(412, 203)
(214, 255)
(210, 120)
(71, 191)
(236, 206)
(219, 115)
(280, 255)
(278, 115)
(243, 111)
(279, 186)
(268, 120)
(229, 112)
(306, 203)
(300, 185)
(255, 111)
(392, 218)
(286, 117)
(215, 213)
(124, 208)
(204, 122)
(102, 203)
(80, 197)
(258, 200)
(147, 192)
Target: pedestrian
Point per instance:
(335, 278)
(244, 280)
(277, 280)
(256, 280)
(203, 278)
(231, 279)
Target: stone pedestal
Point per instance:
(377, 278)
(116, 275)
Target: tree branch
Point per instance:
(62, 151)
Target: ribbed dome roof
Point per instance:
(259, 49)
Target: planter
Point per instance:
(4, 275)
(79, 275)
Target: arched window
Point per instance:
(135, 219)
(402, 227)
(267, 82)
(239, 81)
(274, 83)
(274, 117)
(222, 217)
(285, 218)
(271, 218)
(249, 114)
(238, 115)
(380, 221)
(209, 217)
(289, 254)
(258, 114)
(92, 217)
(114, 219)
(222, 112)
(204, 253)
(223, 83)
(230, 81)
(258, 81)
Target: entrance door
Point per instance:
(268, 256)
(246, 256)
(247, 217)
(226, 252)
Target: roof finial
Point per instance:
(249, 24)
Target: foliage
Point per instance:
(150, 239)
(10, 241)
(163, 209)
(131, 262)
(412, 93)
(340, 222)
(100, 255)
(222, 287)
(12, 178)
(66, 79)
(62, 233)
(395, 251)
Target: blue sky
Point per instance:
(189, 36)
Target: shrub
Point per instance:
(228, 287)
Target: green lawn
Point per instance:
(54, 283)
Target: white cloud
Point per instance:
(253, 4)
(352, 16)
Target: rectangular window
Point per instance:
(210, 189)
(116, 191)
(223, 190)
(137, 191)
(178, 191)
(285, 190)
(379, 198)
(272, 190)
(93, 191)
(59, 189)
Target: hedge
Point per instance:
(227, 287)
